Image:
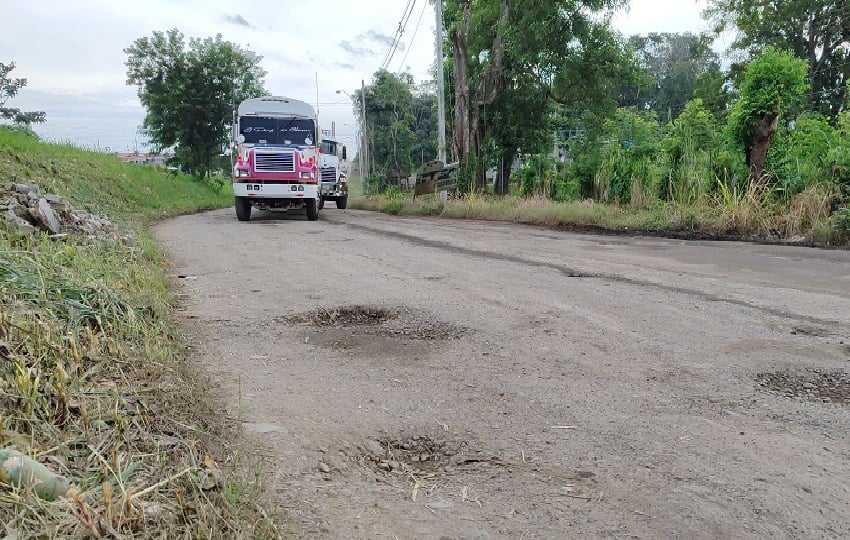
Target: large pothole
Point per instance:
(347, 327)
(343, 316)
(825, 386)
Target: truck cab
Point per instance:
(333, 161)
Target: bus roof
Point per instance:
(276, 106)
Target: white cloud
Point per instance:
(645, 16)
(72, 52)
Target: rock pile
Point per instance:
(25, 210)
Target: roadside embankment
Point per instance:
(105, 429)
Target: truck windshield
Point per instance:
(329, 148)
(266, 130)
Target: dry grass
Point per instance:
(91, 386)
(811, 210)
(745, 215)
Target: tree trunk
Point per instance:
(461, 138)
(503, 177)
(763, 133)
(470, 113)
(492, 84)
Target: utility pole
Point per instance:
(364, 152)
(441, 100)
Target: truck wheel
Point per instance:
(312, 210)
(342, 202)
(243, 209)
(321, 203)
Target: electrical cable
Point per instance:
(402, 25)
(413, 38)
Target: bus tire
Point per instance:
(243, 209)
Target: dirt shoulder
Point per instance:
(420, 378)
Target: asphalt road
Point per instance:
(421, 378)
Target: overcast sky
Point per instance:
(71, 52)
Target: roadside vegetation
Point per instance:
(659, 132)
(94, 385)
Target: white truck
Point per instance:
(332, 169)
(276, 141)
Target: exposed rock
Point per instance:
(25, 211)
(47, 216)
(26, 189)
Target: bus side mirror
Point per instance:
(344, 154)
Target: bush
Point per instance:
(691, 146)
(629, 170)
(538, 177)
(801, 156)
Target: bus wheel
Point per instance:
(243, 209)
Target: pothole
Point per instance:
(348, 327)
(421, 455)
(344, 316)
(810, 331)
(824, 386)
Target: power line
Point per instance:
(408, 11)
(413, 38)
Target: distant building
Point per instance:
(142, 159)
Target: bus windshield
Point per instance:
(267, 130)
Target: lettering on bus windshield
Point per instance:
(259, 130)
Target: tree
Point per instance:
(190, 92)
(424, 126)
(389, 102)
(815, 31)
(520, 119)
(772, 82)
(518, 45)
(9, 88)
(677, 65)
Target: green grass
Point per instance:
(100, 183)
(94, 381)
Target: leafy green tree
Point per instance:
(712, 89)
(190, 92)
(424, 127)
(9, 88)
(772, 82)
(389, 121)
(677, 66)
(521, 45)
(815, 31)
(520, 120)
